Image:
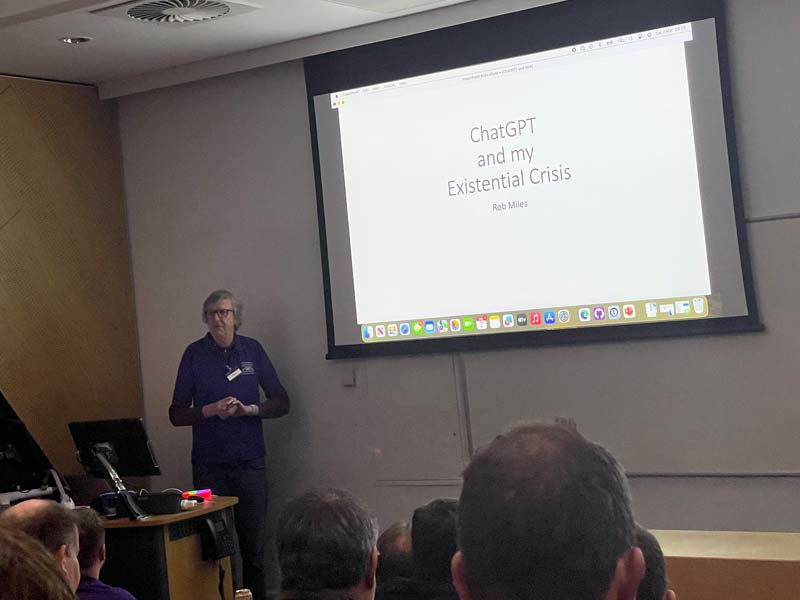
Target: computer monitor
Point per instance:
(123, 442)
(113, 449)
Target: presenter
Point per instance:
(217, 393)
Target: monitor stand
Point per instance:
(102, 452)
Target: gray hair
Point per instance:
(324, 540)
(218, 296)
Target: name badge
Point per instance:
(233, 374)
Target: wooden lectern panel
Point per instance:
(188, 573)
(730, 565)
(160, 558)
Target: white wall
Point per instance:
(220, 193)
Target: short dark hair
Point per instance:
(654, 584)
(325, 540)
(50, 523)
(394, 549)
(433, 538)
(544, 513)
(27, 570)
(92, 536)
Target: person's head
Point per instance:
(325, 541)
(545, 514)
(54, 527)
(222, 313)
(654, 583)
(27, 570)
(394, 552)
(433, 538)
(92, 553)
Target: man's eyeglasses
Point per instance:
(220, 312)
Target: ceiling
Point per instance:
(122, 48)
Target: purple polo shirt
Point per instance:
(202, 379)
(93, 589)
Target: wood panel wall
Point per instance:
(732, 565)
(68, 345)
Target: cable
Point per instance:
(221, 586)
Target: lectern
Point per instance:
(160, 557)
(155, 557)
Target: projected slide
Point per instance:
(546, 186)
(575, 188)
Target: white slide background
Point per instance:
(628, 225)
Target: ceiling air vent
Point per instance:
(176, 12)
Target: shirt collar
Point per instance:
(237, 344)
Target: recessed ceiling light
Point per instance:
(76, 39)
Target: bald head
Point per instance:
(43, 520)
(54, 527)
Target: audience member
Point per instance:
(27, 570)
(433, 539)
(654, 584)
(394, 552)
(545, 514)
(326, 544)
(52, 525)
(92, 557)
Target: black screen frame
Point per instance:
(525, 32)
(129, 439)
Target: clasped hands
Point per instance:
(229, 407)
